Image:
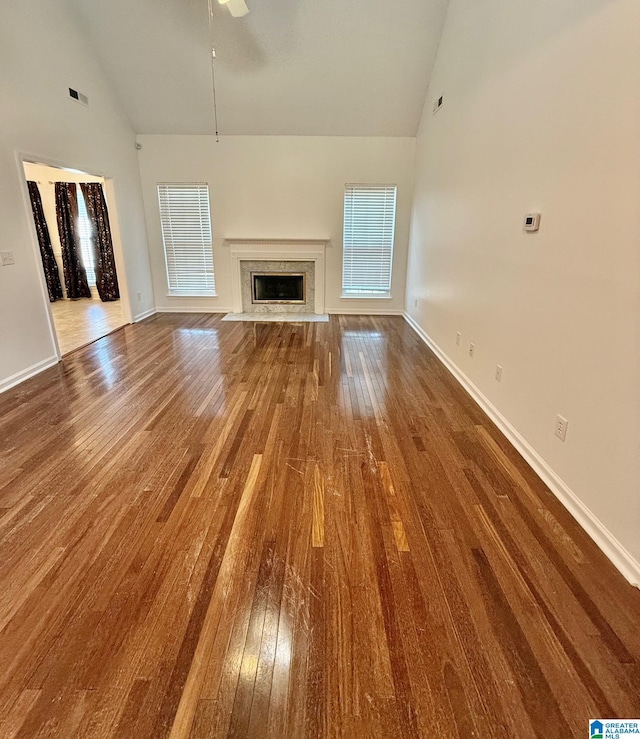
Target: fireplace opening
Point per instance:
(277, 287)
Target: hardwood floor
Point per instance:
(79, 322)
(218, 529)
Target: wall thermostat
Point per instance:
(532, 222)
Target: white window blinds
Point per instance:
(369, 222)
(186, 233)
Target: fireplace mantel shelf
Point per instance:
(268, 242)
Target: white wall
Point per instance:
(42, 54)
(277, 187)
(541, 113)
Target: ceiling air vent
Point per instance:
(78, 97)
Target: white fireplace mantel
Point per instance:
(280, 250)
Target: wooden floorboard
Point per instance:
(214, 529)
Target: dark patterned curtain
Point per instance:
(75, 275)
(106, 276)
(49, 263)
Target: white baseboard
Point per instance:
(337, 311)
(192, 309)
(25, 374)
(366, 312)
(145, 314)
(614, 550)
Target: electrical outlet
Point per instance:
(472, 350)
(561, 428)
(458, 338)
(6, 258)
(499, 372)
(139, 296)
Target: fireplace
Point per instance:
(278, 287)
(268, 256)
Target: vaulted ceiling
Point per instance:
(290, 67)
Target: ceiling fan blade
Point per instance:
(237, 8)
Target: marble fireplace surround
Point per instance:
(272, 250)
(262, 266)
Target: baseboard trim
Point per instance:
(622, 559)
(192, 309)
(366, 312)
(335, 312)
(27, 373)
(145, 314)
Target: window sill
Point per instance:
(192, 295)
(364, 296)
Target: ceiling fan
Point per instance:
(237, 8)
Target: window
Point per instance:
(186, 233)
(85, 232)
(369, 222)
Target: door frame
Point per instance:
(110, 191)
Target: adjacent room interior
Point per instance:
(320, 398)
(78, 260)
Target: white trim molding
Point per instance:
(623, 560)
(366, 312)
(143, 315)
(191, 309)
(280, 250)
(27, 373)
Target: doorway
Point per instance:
(73, 222)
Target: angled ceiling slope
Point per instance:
(290, 67)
